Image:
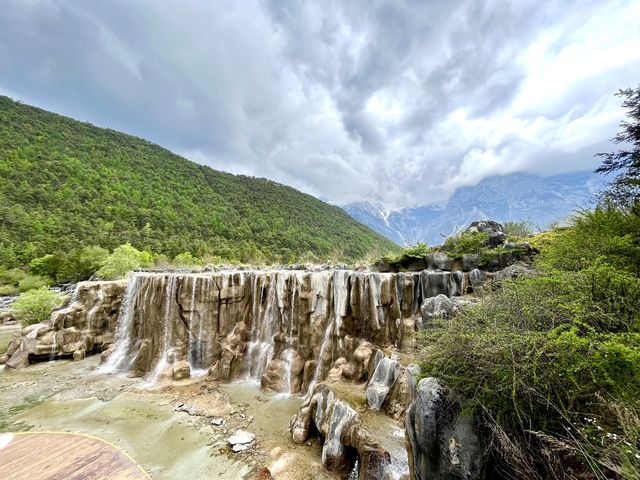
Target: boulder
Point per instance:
(79, 355)
(519, 269)
(436, 307)
(441, 441)
(18, 360)
(181, 370)
(494, 229)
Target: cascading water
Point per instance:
(167, 327)
(245, 323)
(121, 357)
(288, 352)
(384, 377)
(324, 346)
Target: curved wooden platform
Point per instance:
(69, 456)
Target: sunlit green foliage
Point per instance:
(518, 231)
(406, 255)
(36, 305)
(123, 260)
(30, 282)
(466, 242)
(66, 184)
(555, 359)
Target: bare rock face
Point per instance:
(442, 443)
(345, 439)
(84, 326)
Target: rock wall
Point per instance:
(442, 442)
(283, 328)
(84, 326)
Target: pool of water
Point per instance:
(73, 397)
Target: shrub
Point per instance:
(6, 290)
(407, 255)
(551, 363)
(36, 305)
(46, 266)
(32, 282)
(123, 260)
(12, 276)
(466, 242)
(185, 259)
(518, 231)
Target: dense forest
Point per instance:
(65, 185)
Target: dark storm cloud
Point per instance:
(395, 101)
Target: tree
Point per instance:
(36, 305)
(624, 190)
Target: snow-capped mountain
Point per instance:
(515, 197)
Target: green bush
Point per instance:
(185, 259)
(406, 255)
(518, 231)
(466, 242)
(46, 266)
(32, 282)
(123, 260)
(12, 276)
(551, 363)
(8, 290)
(36, 305)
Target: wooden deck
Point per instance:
(63, 456)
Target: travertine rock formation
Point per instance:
(284, 328)
(442, 443)
(345, 439)
(86, 325)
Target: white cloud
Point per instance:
(396, 102)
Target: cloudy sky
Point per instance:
(394, 101)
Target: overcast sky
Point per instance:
(394, 101)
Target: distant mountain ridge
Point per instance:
(514, 197)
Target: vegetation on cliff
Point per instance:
(66, 185)
(551, 363)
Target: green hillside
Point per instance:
(65, 184)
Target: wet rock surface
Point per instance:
(346, 441)
(443, 443)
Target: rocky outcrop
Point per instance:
(287, 329)
(494, 229)
(83, 327)
(345, 440)
(442, 307)
(442, 442)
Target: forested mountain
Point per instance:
(65, 184)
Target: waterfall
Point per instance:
(195, 349)
(246, 323)
(383, 378)
(324, 345)
(167, 327)
(288, 350)
(263, 327)
(124, 338)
